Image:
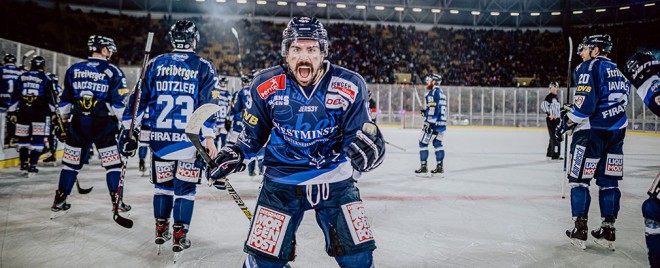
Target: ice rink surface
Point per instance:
(498, 205)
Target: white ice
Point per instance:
(498, 205)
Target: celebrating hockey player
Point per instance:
(91, 104)
(373, 110)
(31, 107)
(9, 73)
(598, 119)
(174, 85)
(643, 70)
(550, 106)
(435, 124)
(321, 139)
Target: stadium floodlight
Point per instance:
(453, 11)
(399, 9)
(261, 2)
(556, 13)
(241, 1)
(624, 8)
(341, 5)
(515, 14)
(494, 13)
(475, 13)
(534, 14)
(321, 5)
(301, 4)
(281, 3)
(416, 9)
(600, 10)
(379, 7)
(435, 10)
(200, 0)
(220, 1)
(649, 4)
(577, 12)
(361, 7)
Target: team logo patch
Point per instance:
(164, 171)
(589, 170)
(268, 231)
(109, 156)
(344, 87)
(269, 87)
(39, 129)
(578, 100)
(578, 155)
(358, 225)
(334, 101)
(71, 155)
(187, 171)
(614, 165)
(657, 100)
(144, 135)
(22, 130)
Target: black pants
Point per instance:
(554, 146)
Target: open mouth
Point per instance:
(304, 71)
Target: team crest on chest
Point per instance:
(269, 87)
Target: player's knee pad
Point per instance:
(109, 156)
(360, 259)
(187, 171)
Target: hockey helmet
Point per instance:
(96, 43)
(632, 69)
(553, 84)
(223, 81)
(434, 77)
(601, 41)
(304, 28)
(9, 58)
(53, 77)
(246, 79)
(183, 33)
(37, 63)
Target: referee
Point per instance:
(551, 108)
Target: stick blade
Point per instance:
(201, 114)
(124, 222)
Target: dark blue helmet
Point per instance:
(9, 58)
(637, 66)
(304, 28)
(96, 43)
(434, 77)
(183, 33)
(53, 77)
(601, 41)
(37, 63)
(223, 81)
(246, 79)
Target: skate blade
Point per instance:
(30, 175)
(579, 243)
(57, 214)
(604, 243)
(423, 175)
(177, 256)
(158, 249)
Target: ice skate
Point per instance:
(162, 233)
(32, 171)
(605, 235)
(60, 207)
(142, 167)
(422, 171)
(578, 234)
(51, 160)
(123, 207)
(24, 169)
(438, 170)
(181, 241)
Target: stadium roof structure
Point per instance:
(483, 13)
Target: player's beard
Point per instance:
(429, 86)
(306, 73)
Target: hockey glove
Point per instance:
(564, 125)
(229, 160)
(12, 117)
(367, 151)
(128, 144)
(60, 132)
(427, 128)
(422, 112)
(228, 125)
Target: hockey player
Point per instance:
(9, 73)
(550, 106)
(242, 99)
(598, 119)
(91, 104)
(174, 85)
(643, 70)
(321, 140)
(52, 140)
(31, 107)
(222, 98)
(145, 133)
(373, 111)
(435, 124)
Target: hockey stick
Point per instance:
(568, 93)
(124, 222)
(395, 146)
(195, 123)
(83, 190)
(238, 44)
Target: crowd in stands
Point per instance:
(468, 57)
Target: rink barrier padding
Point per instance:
(15, 162)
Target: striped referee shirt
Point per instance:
(551, 105)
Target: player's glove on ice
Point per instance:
(229, 160)
(128, 144)
(367, 150)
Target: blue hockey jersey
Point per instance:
(601, 96)
(436, 109)
(33, 95)
(93, 87)
(308, 128)
(222, 98)
(174, 85)
(239, 102)
(8, 74)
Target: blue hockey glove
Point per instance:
(422, 112)
(128, 144)
(427, 128)
(228, 125)
(229, 160)
(367, 151)
(564, 126)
